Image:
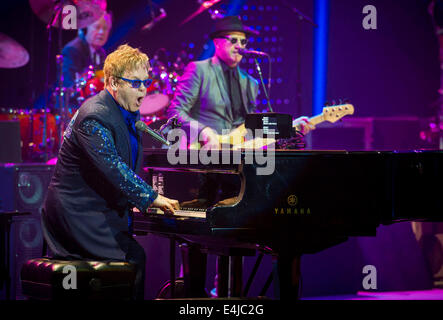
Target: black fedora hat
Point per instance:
(229, 24)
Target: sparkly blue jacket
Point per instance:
(93, 187)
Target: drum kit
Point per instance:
(165, 75)
(32, 128)
(41, 130)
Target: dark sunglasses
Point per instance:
(234, 40)
(137, 83)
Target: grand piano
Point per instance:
(311, 201)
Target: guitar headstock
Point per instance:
(335, 113)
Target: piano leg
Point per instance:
(222, 276)
(236, 280)
(194, 270)
(229, 276)
(287, 276)
(172, 264)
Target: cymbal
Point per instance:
(204, 6)
(12, 54)
(88, 11)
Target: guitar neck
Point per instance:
(317, 119)
(314, 120)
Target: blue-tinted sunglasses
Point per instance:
(137, 83)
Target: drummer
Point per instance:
(86, 49)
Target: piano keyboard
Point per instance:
(184, 212)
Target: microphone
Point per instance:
(151, 24)
(140, 125)
(244, 52)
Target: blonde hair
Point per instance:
(125, 58)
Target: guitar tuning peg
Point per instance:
(327, 104)
(346, 100)
(340, 101)
(333, 102)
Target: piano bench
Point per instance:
(53, 279)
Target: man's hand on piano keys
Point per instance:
(166, 204)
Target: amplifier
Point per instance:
(23, 187)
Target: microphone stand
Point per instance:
(56, 16)
(301, 15)
(61, 91)
(51, 23)
(263, 84)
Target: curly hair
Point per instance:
(125, 58)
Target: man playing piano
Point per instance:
(87, 210)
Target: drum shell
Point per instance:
(32, 131)
(159, 94)
(94, 84)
